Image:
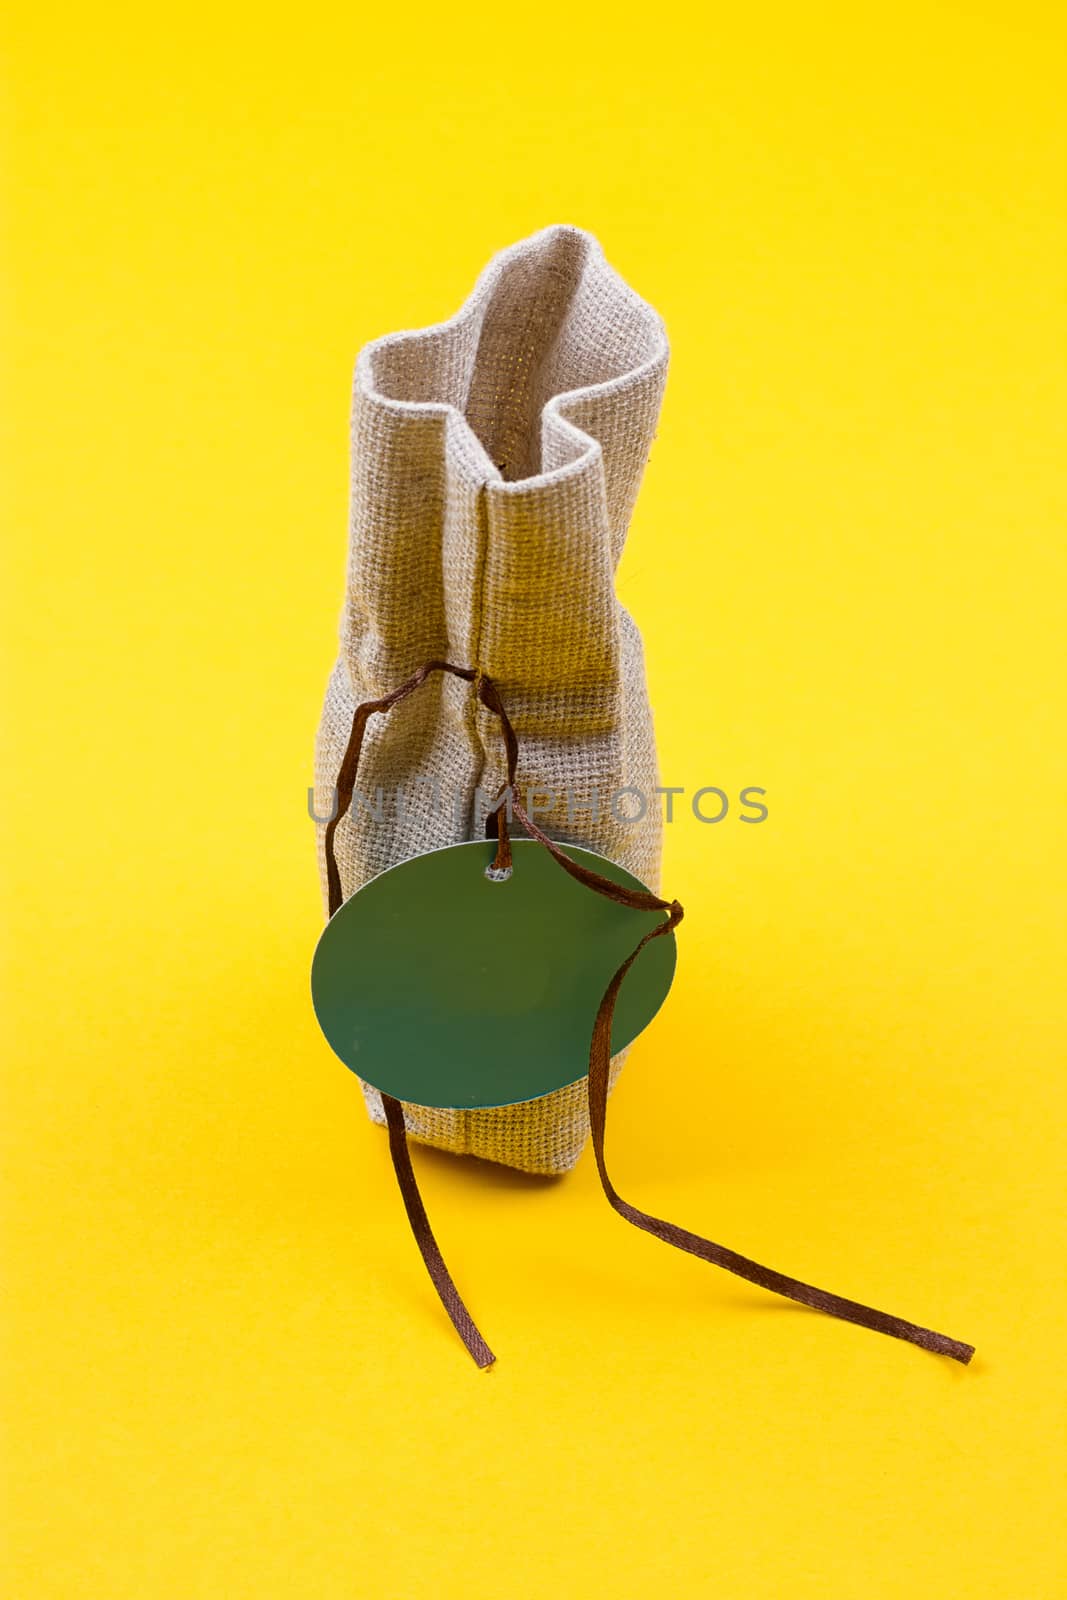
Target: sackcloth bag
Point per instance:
(496, 459)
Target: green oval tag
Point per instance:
(442, 988)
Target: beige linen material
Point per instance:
(496, 459)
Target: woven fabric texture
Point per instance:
(496, 459)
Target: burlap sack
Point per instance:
(496, 459)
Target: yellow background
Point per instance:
(226, 1374)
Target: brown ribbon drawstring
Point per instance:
(462, 1320)
(599, 1057)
